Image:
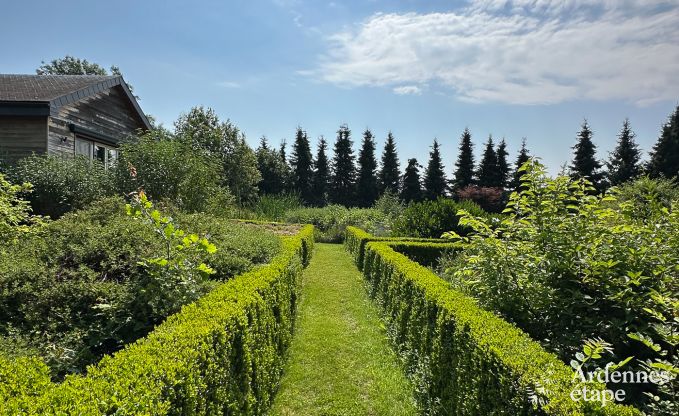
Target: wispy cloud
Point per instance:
(229, 84)
(408, 90)
(518, 51)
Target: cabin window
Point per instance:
(96, 151)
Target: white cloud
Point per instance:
(408, 90)
(518, 51)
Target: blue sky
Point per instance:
(422, 69)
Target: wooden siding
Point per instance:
(108, 113)
(22, 136)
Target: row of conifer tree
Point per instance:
(357, 180)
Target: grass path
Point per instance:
(340, 362)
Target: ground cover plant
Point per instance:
(567, 266)
(91, 282)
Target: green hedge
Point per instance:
(466, 361)
(220, 355)
(426, 254)
(356, 239)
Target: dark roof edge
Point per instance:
(101, 86)
(25, 108)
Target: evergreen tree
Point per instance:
(287, 172)
(389, 175)
(464, 172)
(366, 186)
(343, 180)
(585, 164)
(321, 175)
(521, 158)
(302, 169)
(488, 175)
(665, 154)
(434, 175)
(502, 164)
(412, 186)
(624, 161)
(270, 168)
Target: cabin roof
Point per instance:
(44, 94)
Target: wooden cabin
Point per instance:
(66, 115)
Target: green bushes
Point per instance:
(430, 219)
(466, 360)
(220, 355)
(567, 266)
(76, 289)
(331, 221)
(61, 184)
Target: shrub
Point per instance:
(488, 198)
(16, 219)
(223, 354)
(170, 170)
(77, 290)
(466, 360)
(331, 221)
(646, 196)
(275, 207)
(61, 185)
(568, 266)
(430, 219)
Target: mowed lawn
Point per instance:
(340, 362)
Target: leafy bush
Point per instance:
(567, 266)
(16, 219)
(79, 290)
(465, 360)
(274, 207)
(646, 196)
(331, 221)
(223, 354)
(170, 170)
(430, 219)
(62, 184)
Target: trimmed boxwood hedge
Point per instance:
(220, 355)
(356, 239)
(472, 362)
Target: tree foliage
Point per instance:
(271, 169)
(502, 164)
(434, 176)
(302, 166)
(521, 158)
(389, 174)
(343, 180)
(665, 154)
(464, 167)
(488, 173)
(321, 174)
(623, 164)
(202, 130)
(366, 185)
(585, 164)
(412, 185)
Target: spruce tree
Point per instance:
(270, 168)
(665, 154)
(521, 159)
(287, 173)
(624, 161)
(585, 164)
(464, 172)
(434, 175)
(488, 174)
(321, 175)
(502, 164)
(389, 174)
(302, 169)
(343, 180)
(412, 186)
(366, 185)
